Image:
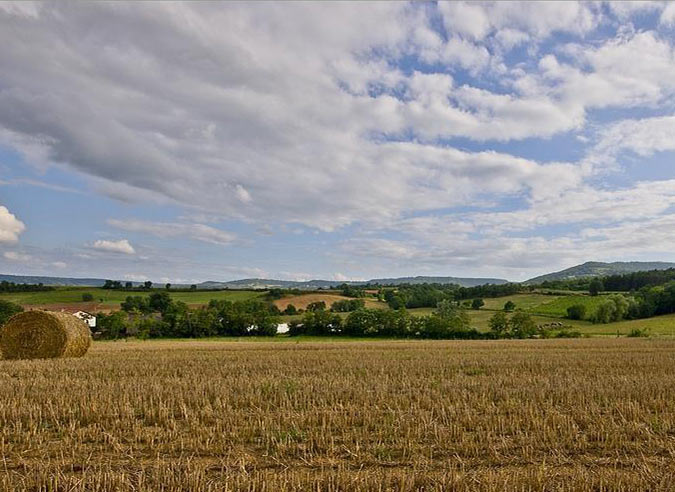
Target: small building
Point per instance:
(282, 328)
(88, 318)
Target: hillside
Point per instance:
(464, 282)
(67, 281)
(259, 283)
(598, 268)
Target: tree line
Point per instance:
(429, 295)
(448, 321)
(159, 316)
(6, 286)
(644, 303)
(622, 282)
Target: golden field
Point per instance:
(583, 414)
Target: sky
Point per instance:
(185, 142)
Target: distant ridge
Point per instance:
(588, 269)
(261, 283)
(67, 281)
(463, 281)
(598, 268)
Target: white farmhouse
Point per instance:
(282, 328)
(88, 318)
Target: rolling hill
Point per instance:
(598, 268)
(66, 281)
(260, 283)
(588, 269)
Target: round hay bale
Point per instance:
(44, 335)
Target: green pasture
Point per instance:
(109, 298)
(522, 301)
(558, 305)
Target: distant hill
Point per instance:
(598, 268)
(27, 279)
(464, 282)
(261, 283)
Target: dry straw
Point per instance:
(44, 335)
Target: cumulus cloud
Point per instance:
(10, 226)
(381, 116)
(477, 19)
(285, 133)
(15, 256)
(643, 136)
(668, 15)
(120, 246)
(197, 232)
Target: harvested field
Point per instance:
(590, 414)
(70, 307)
(303, 300)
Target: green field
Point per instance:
(558, 305)
(480, 318)
(522, 301)
(111, 298)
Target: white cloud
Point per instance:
(18, 257)
(541, 19)
(644, 136)
(629, 70)
(59, 264)
(10, 226)
(197, 232)
(283, 134)
(467, 19)
(337, 131)
(120, 246)
(668, 15)
(624, 9)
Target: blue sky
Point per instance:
(186, 142)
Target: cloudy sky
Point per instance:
(206, 141)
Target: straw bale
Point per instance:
(44, 335)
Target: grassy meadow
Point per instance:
(112, 298)
(575, 415)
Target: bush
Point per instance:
(275, 293)
(638, 333)
(595, 286)
(499, 325)
(615, 308)
(316, 306)
(509, 306)
(7, 310)
(87, 297)
(160, 301)
(522, 326)
(347, 305)
(576, 311)
(113, 325)
(290, 310)
(317, 323)
(295, 328)
(136, 304)
(477, 303)
(151, 328)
